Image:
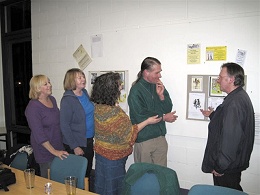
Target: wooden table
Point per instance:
(20, 188)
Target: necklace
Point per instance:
(147, 90)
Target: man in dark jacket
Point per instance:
(231, 130)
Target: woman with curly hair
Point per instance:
(114, 134)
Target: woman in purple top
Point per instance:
(43, 117)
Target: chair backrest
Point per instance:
(20, 161)
(213, 190)
(147, 184)
(73, 165)
(147, 178)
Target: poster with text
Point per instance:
(193, 54)
(218, 53)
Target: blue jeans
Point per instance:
(109, 175)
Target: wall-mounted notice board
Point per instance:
(203, 91)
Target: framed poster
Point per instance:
(92, 75)
(197, 83)
(214, 88)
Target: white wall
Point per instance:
(133, 30)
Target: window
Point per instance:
(17, 16)
(17, 66)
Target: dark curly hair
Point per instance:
(105, 89)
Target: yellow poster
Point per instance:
(216, 53)
(193, 54)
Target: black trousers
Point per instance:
(88, 153)
(229, 180)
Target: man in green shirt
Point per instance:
(148, 97)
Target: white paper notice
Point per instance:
(196, 102)
(240, 58)
(82, 57)
(214, 102)
(96, 46)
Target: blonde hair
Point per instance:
(35, 83)
(69, 82)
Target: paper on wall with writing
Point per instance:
(82, 57)
(240, 57)
(196, 102)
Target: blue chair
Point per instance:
(20, 161)
(200, 189)
(147, 184)
(73, 165)
(152, 179)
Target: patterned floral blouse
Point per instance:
(114, 133)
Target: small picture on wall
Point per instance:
(197, 83)
(122, 75)
(93, 77)
(214, 88)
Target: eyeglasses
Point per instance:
(221, 77)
